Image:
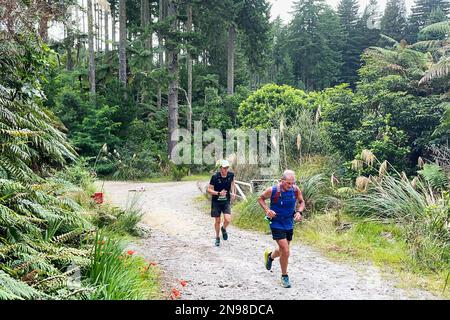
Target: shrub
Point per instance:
(250, 215)
(265, 107)
(422, 215)
(116, 274)
(316, 192)
(78, 174)
(120, 221)
(178, 172)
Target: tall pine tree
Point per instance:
(348, 17)
(368, 27)
(393, 23)
(315, 40)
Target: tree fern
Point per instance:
(439, 28)
(40, 234)
(12, 289)
(439, 70)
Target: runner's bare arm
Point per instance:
(262, 202)
(300, 207)
(233, 190)
(211, 190)
(301, 202)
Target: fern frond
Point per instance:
(441, 28)
(12, 289)
(439, 70)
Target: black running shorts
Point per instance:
(278, 234)
(218, 207)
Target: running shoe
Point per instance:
(217, 243)
(224, 233)
(285, 282)
(267, 259)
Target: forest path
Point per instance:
(181, 242)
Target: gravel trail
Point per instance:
(181, 241)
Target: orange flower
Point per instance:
(183, 283)
(130, 252)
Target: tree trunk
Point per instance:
(83, 22)
(172, 53)
(100, 26)
(113, 31)
(231, 51)
(95, 26)
(69, 65)
(91, 51)
(106, 31)
(77, 61)
(189, 70)
(69, 41)
(122, 43)
(161, 52)
(142, 13)
(145, 22)
(43, 28)
(148, 41)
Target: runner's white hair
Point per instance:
(288, 173)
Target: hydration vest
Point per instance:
(278, 193)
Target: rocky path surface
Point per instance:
(181, 242)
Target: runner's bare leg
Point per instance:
(283, 252)
(226, 220)
(217, 226)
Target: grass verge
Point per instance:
(379, 243)
(353, 240)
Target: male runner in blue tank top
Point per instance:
(282, 214)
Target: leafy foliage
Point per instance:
(435, 176)
(29, 141)
(265, 107)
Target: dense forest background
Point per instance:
(383, 88)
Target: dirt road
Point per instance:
(181, 241)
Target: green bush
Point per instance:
(265, 107)
(316, 192)
(78, 174)
(422, 215)
(116, 220)
(177, 172)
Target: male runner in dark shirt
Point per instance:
(223, 191)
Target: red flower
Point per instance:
(183, 283)
(130, 252)
(176, 293)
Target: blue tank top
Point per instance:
(284, 208)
